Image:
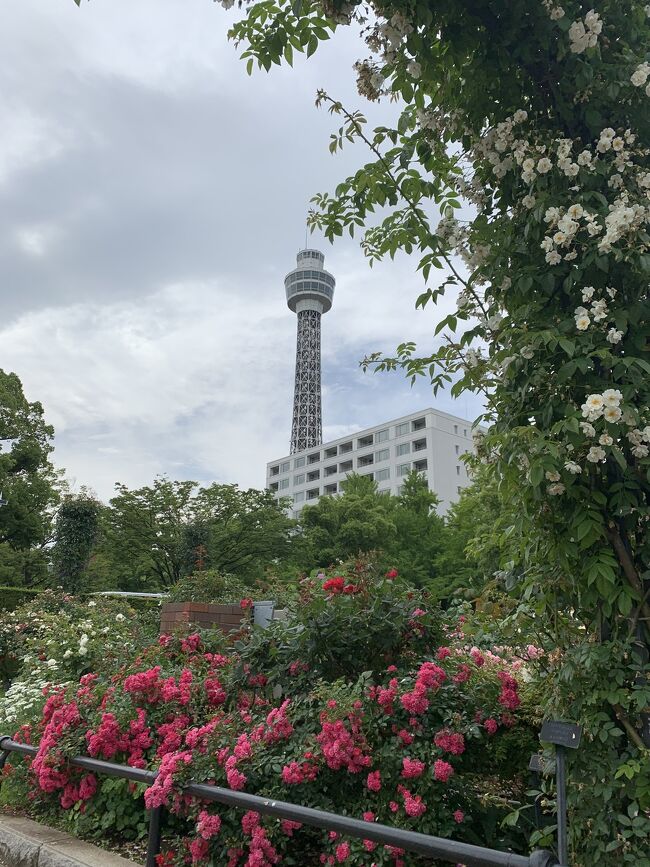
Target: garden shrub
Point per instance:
(12, 597)
(209, 586)
(403, 737)
(348, 620)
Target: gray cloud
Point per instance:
(152, 197)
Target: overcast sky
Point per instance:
(152, 198)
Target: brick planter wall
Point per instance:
(182, 616)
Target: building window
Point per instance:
(458, 489)
(382, 455)
(363, 442)
(331, 452)
(381, 436)
(455, 428)
(403, 469)
(285, 467)
(274, 471)
(299, 462)
(464, 432)
(400, 490)
(365, 460)
(420, 466)
(368, 475)
(330, 471)
(457, 450)
(419, 445)
(313, 458)
(345, 467)
(418, 424)
(402, 449)
(344, 448)
(284, 484)
(457, 469)
(401, 429)
(382, 475)
(273, 486)
(330, 489)
(299, 479)
(313, 475)
(312, 494)
(299, 497)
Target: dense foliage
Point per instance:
(76, 534)
(157, 534)
(28, 484)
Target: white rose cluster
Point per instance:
(555, 12)
(584, 34)
(605, 405)
(567, 224)
(638, 440)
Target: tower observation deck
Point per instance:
(310, 291)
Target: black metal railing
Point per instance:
(411, 841)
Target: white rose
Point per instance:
(611, 397)
(612, 414)
(544, 165)
(596, 454)
(614, 336)
(414, 69)
(594, 402)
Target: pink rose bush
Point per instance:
(413, 744)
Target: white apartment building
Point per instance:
(429, 441)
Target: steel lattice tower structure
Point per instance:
(310, 290)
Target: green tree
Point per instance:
(242, 531)
(336, 528)
(28, 483)
(76, 535)
(419, 534)
(144, 533)
(476, 537)
(152, 535)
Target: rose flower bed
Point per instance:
(413, 744)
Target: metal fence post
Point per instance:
(153, 841)
(560, 780)
(562, 735)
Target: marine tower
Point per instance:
(310, 291)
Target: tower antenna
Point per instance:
(310, 291)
